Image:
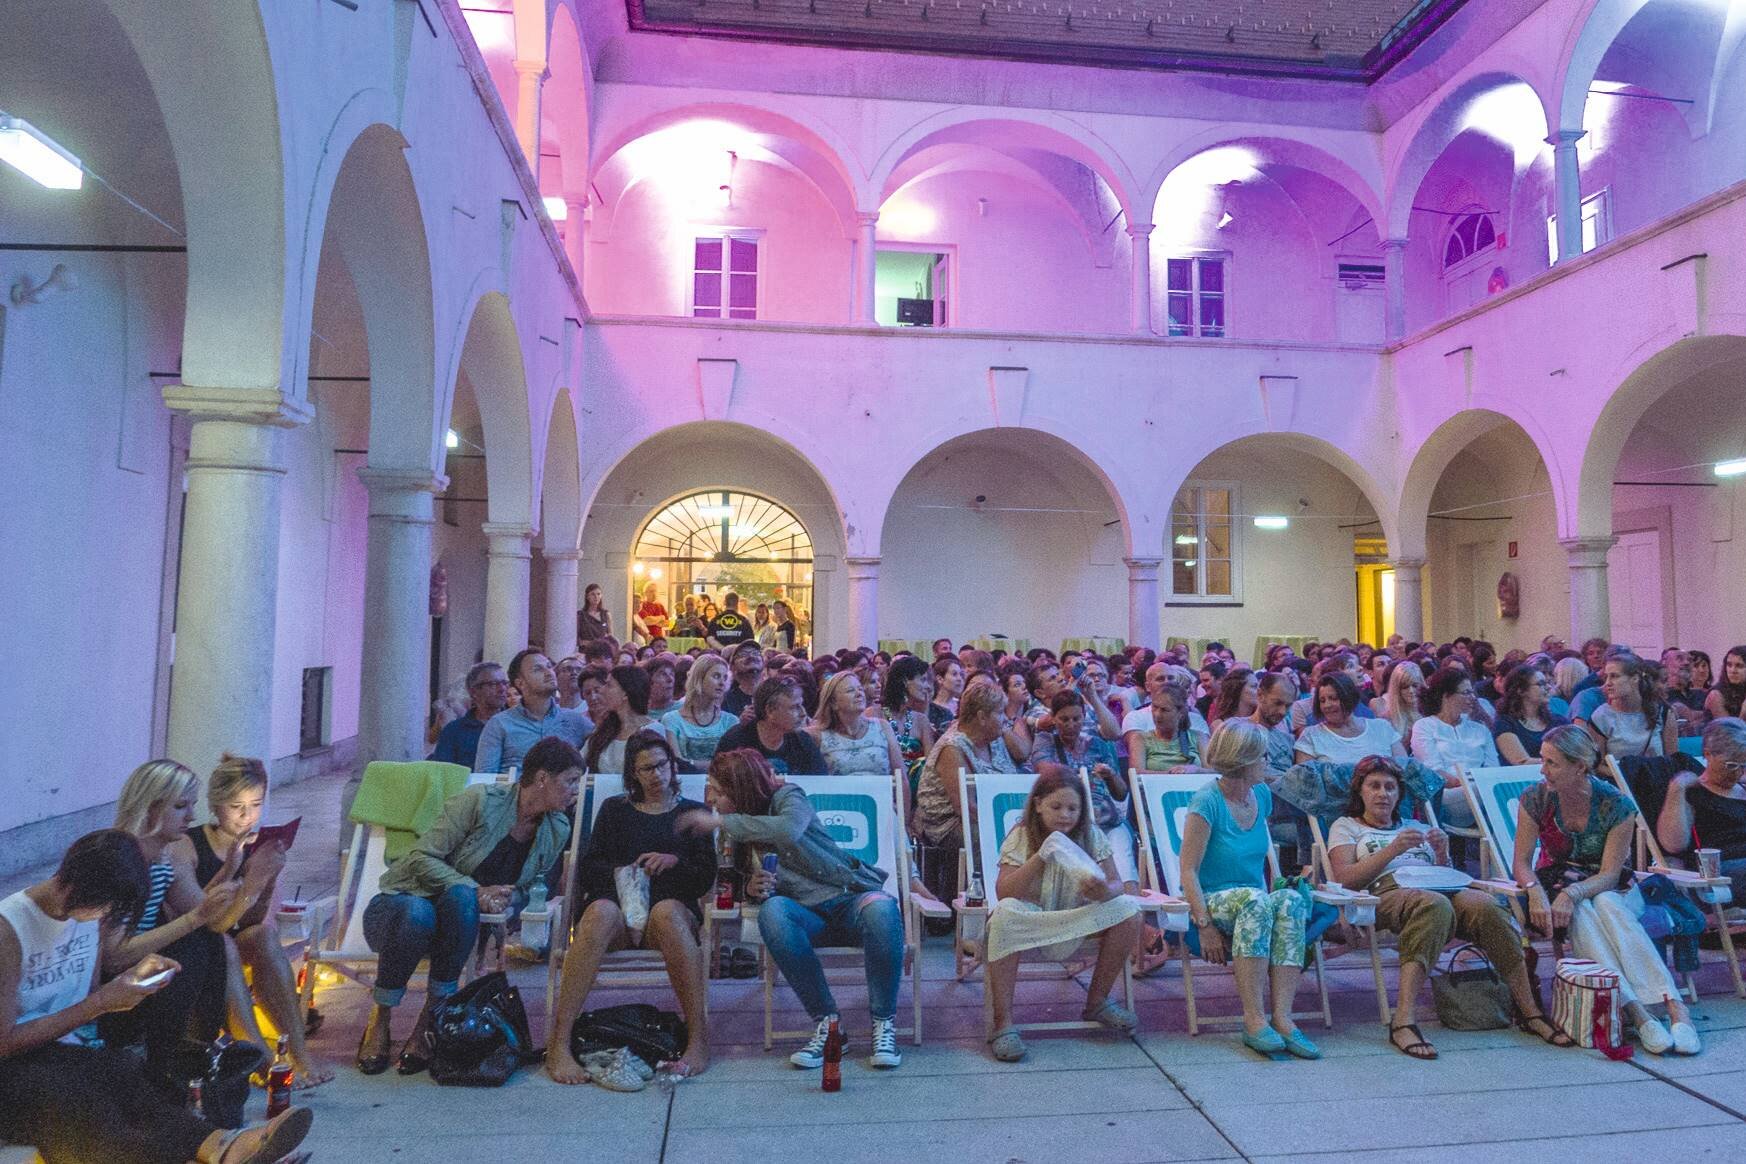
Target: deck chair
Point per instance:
(628, 967)
(1163, 799)
(1713, 893)
(995, 801)
(861, 814)
(1496, 795)
(363, 863)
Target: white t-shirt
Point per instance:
(1321, 742)
(58, 958)
(1141, 721)
(1367, 841)
(1468, 743)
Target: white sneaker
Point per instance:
(885, 1052)
(1685, 1039)
(811, 1056)
(1654, 1036)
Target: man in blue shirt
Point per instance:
(488, 688)
(509, 734)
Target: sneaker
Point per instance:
(885, 1052)
(1654, 1037)
(1685, 1039)
(611, 1070)
(811, 1056)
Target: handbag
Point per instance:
(479, 1035)
(1473, 999)
(1585, 1006)
(652, 1034)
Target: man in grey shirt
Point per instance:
(510, 733)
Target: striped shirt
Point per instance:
(162, 873)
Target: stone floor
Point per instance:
(1495, 1096)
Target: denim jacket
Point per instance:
(810, 868)
(472, 822)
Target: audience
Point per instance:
(593, 621)
(640, 828)
(510, 733)
(787, 621)
(485, 851)
(1524, 715)
(973, 744)
(1449, 739)
(651, 620)
(1051, 901)
(697, 725)
(1170, 745)
(1703, 677)
(663, 673)
(1579, 881)
(746, 662)
(907, 703)
(488, 690)
(1398, 702)
(730, 628)
(569, 671)
(1725, 699)
(774, 730)
(624, 703)
(1235, 698)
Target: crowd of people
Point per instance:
(158, 935)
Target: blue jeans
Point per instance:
(404, 929)
(869, 920)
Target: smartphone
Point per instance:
(157, 979)
(1078, 669)
(285, 834)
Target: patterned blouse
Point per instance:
(1581, 849)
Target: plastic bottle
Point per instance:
(534, 930)
(833, 1059)
(279, 1079)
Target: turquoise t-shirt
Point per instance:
(1235, 858)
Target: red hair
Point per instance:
(747, 779)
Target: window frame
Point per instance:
(1196, 257)
(1602, 200)
(753, 235)
(1200, 597)
(950, 251)
(1478, 257)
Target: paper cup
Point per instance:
(1709, 862)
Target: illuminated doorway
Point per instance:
(716, 540)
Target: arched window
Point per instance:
(1471, 234)
(717, 540)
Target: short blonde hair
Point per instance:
(234, 776)
(984, 699)
(148, 789)
(1238, 744)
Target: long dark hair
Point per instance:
(897, 680)
(1230, 696)
(634, 681)
(1733, 694)
(648, 741)
(1515, 686)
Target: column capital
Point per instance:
(861, 569)
(1394, 244)
(1564, 138)
(1403, 564)
(867, 219)
(1141, 567)
(1140, 229)
(508, 539)
(524, 67)
(385, 481)
(1588, 553)
(263, 406)
(561, 555)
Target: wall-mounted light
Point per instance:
(59, 279)
(38, 156)
(1271, 522)
(656, 572)
(452, 439)
(636, 567)
(1730, 468)
(556, 208)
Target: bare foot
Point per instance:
(562, 1066)
(694, 1062)
(307, 1073)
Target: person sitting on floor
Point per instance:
(235, 794)
(1366, 848)
(819, 895)
(76, 1103)
(640, 828)
(1058, 886)
(489, 846)
(1709, 810)
(1581, 827)
(1224, 879)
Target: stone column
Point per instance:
(1394, 287)
(1567, 194)
(863, 602)
(867, 268)
(1409, 599)
(1143, 607)
(392, 695)
(561, 601)
(530, 78)
(221, 687)
(1591, 613)
(508, 562)
(576, 233)
(1140, 301)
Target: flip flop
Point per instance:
(1418, 1049)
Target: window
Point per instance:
(1196, 290)
(1361, 276)
(315, 719)
(724, 276)
(1471, 234)
(1203, 541)
(1597, 224)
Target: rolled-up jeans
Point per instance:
(870, 920)
(404, 929)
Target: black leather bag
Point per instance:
(652, 1034)
(479, 1035)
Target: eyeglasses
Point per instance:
(651, 769)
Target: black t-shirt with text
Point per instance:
(730, 627)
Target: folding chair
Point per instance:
(1714, 892)
(995, 802)
(629, 967)
(1163, 800)
(861, 814)
(1496, 797)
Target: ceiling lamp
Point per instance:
(38, 156)
(1271, 522)
(452, 439)
(1730, 468)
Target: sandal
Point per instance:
(1554, 1036)
(1008, 1046)
(1151, 959)
(1418, 1049)
(1116, 1017)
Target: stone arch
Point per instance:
(1591, 34)
(1359, 176)
(1432, 458)
(488, 352)
(568, 100)
(561, 480)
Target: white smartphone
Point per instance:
(158, 979)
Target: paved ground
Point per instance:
(1496, 1096)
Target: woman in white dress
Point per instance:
(1342, 737)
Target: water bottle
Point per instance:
(536, 898)
(534, 930)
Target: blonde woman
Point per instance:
(179, 920)
(852, 741)
(1400, 704)
(235, 795)
(697, 725)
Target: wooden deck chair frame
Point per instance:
(1711, 892)
(1160, 796)
(1494, 795)
(344, 949)
(629, 968)
(889, 848)
(995, 797)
